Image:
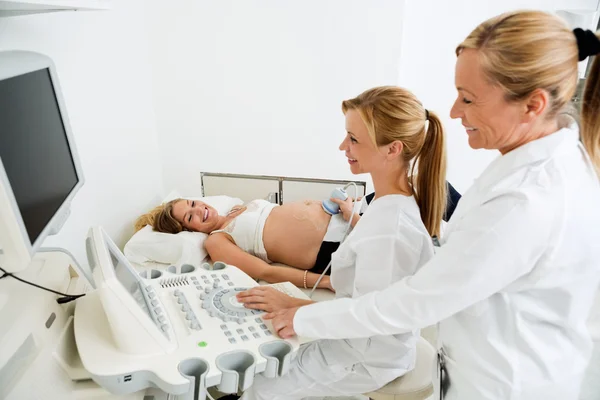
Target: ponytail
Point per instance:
(590, 117)
(392, 113)
(430, 189)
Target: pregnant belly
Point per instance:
(294, 231)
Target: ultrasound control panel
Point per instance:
(178, 328)
(212, 290)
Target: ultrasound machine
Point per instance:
(180, 329)
(107, 331)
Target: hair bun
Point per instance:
(588, 43)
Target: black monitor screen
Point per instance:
(34, 148)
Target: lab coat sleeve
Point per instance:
(489, 248)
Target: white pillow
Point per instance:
(184, 247)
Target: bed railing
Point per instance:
(277, 189)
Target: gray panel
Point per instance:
(297, 191)
(273, 188)
(247, 189)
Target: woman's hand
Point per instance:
(326, 282)
(283, 322)
(346, 206)
(268, 299)
(236, 209)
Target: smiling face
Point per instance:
(490, 120)
(196, 216)
(363, 156)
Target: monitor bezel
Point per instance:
(14, 63)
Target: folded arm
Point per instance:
(220, 247)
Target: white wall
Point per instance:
(239, 86)
(103, 66)
(432, 30)
(256, 86)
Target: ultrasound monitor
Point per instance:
(39, 167)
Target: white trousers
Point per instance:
(312, 375)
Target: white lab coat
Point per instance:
(388, 243)
(512, 284)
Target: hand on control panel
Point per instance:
(283, 322)
(269, 299)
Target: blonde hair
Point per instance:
(522, 51)
(161, 219)
(391, 113)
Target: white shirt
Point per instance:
(512, 284)
(387, 244)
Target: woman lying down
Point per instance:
(251, 237)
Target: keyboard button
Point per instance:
(263, 326)
(230, 283)
(259, 320)
(227, 333)
(224, 327)
(240, 331)
(232, 340)
(252, 329)
(256, 335)
(245, 338)
(225, 276)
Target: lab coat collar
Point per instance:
(408, 201)
(531, 153)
